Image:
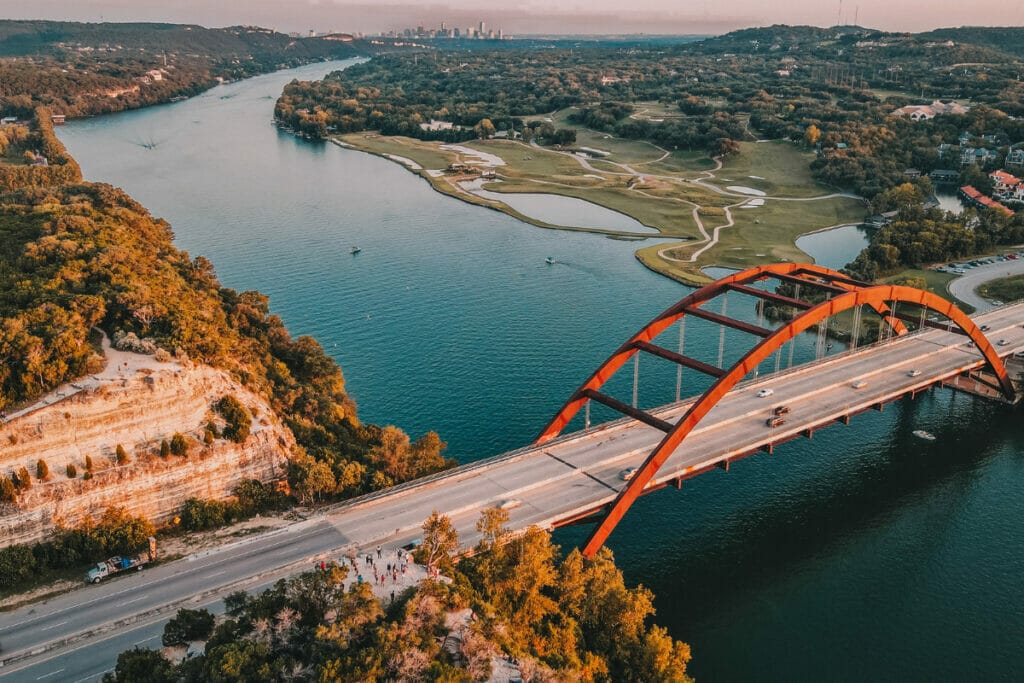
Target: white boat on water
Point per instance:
(549, 260)
(922, 434)
(355, 250)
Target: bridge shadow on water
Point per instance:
(842, 541)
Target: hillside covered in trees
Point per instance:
(82, 69)
(833, 90)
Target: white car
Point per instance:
(1003, 342)
(509, 504)
(627, 474)
(913, 373)
(765, 393)
(859, 384)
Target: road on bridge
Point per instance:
(557, 481)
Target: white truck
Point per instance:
(119, 564)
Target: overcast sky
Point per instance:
(533, 16)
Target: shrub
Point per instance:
(237, 418)
(211, 427)
(208, 437)
(188, 624)
(165, 448)
(8, 491)
(198, 514)
(23, 481)
(179, 445)
(42, 470)
(88, 464)
(122, 455)
(72, 471)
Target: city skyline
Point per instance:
(564, 17)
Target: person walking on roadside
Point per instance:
(378, 552)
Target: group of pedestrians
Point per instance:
(381, 574)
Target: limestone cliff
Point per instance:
(136, 402)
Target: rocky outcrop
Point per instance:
(137, 403)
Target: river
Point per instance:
(863, 554)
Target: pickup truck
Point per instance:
(119, 564)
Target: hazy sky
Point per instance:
(532, 16)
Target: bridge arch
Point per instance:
(846, 294)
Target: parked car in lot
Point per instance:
(859, 384)
(764, 393)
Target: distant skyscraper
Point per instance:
(455, 32)
(444, 25)
(483, 28)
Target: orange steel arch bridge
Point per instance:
(807, 296)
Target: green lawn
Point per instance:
(689, 164)
(426, 154)
(782, 169)
(1005, 289)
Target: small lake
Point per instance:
(834, 248)
(568, 211)
(949, 200)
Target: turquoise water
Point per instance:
(865, 554)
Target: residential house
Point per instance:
(1003, 182)
(912, 173)
(977, 155)
(972, 196)
(1015, 157)
(920, 112)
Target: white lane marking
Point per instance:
(222, 571)
(128, 602)
(146, 640)
(52, 673)
(47, 628)
(92, 677)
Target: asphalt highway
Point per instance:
(540, 485)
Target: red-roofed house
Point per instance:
(1005, 183)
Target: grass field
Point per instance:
(426, 154)
(783, 169)
(1005, 289)
(688, 163)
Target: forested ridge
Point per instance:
(81, 69)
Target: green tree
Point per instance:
(121, 455)
(165, 448)
(42, 470)
(88, 463)
(140, 665)
(188, 625)
(72, 471)
(440, 541)
(236, 418)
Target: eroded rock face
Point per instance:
(137, 403)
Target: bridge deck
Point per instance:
(578, 473)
